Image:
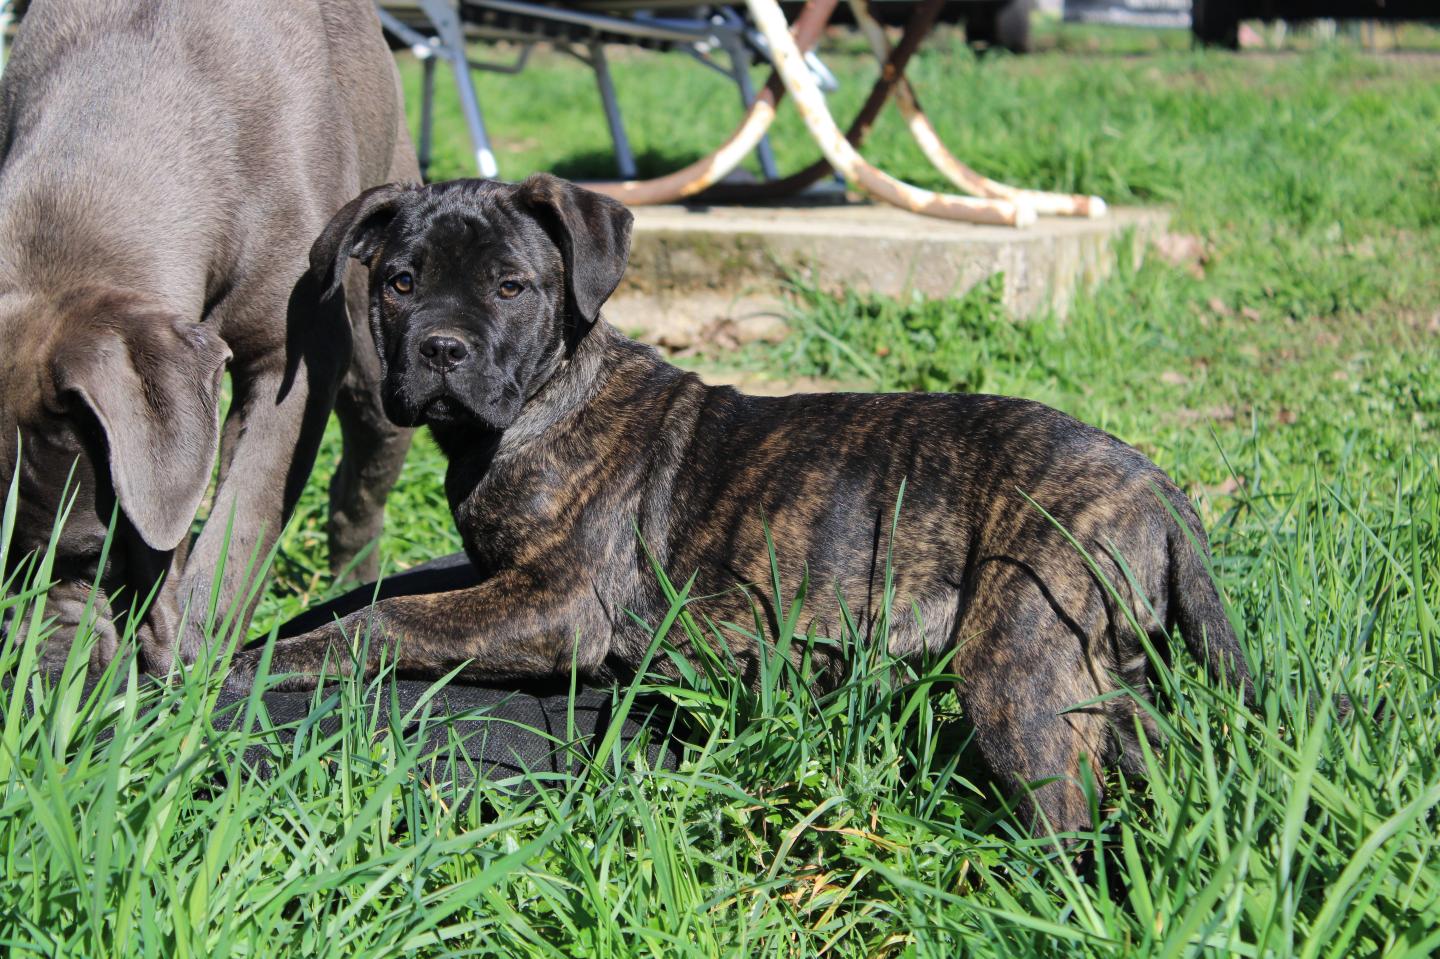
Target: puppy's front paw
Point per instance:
(243, 668)
(296, 664)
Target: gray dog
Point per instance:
(164, 167)
(565, 440)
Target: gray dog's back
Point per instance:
(179, 101)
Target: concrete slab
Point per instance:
(692, 266)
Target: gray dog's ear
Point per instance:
(355, 232)
(593, 233)
(154, 386)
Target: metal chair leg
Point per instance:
(446, 20)
(427, 117)
(5, 17)
(740, 70)
(624, 156)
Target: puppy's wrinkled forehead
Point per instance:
(473, 228)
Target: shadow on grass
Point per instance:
(600, 164)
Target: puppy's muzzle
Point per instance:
(443, 352)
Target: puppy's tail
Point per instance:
(1196, 607)
(1197, 610)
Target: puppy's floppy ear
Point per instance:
(154, 386)
(355, 231)
(593, 233)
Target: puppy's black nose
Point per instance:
(443, 352)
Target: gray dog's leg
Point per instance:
(374, 449)
(278, 416)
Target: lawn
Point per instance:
(1284, 370)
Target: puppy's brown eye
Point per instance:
(402, 283)
(510, 289)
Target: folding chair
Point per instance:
(440, 29)
(763, 32)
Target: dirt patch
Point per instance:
(1185, 251)
(763, 384)
(1220, 413)
(697, 323)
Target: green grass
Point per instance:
(1289, 382)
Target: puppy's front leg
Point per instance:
(513, 626)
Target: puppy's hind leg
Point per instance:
(373, 450)
(1024, 670)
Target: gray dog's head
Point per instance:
(478, 289)
(120, 399)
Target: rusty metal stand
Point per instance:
(965, 178)
(801, 86)
(893, 65)
(993, 202)
(711, 169)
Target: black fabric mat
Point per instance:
(501, 732)
(469, 732)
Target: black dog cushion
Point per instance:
(470, 731)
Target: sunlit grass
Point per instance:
(1289, 382)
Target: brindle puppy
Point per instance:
(564, 438)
